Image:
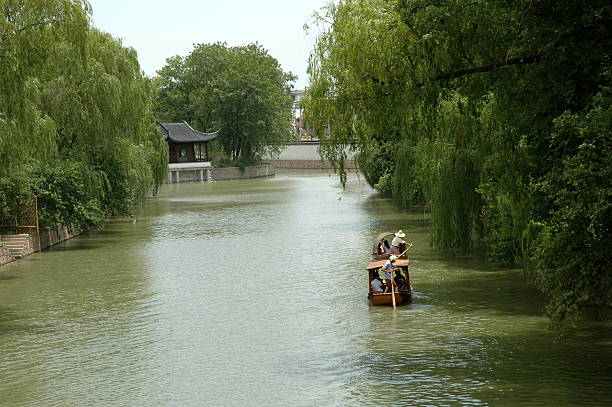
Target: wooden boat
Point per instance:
(382, 249)
(401, 296)
(380, 253)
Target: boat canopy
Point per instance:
(378, 239)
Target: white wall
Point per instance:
(302, 151)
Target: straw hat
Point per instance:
(400, 233)
(393, 257)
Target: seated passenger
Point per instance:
(400, 281)
(376, 284)
(383, 247)
(387, 267)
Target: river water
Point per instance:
(252, 293)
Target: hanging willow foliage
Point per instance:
(72, 97)
(458, 104)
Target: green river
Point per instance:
(252, 293)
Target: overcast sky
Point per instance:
(159, 29)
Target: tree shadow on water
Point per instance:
(504, 292)
(80, 246)
(11, 323)
(524, 368)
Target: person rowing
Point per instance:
(387, 267)
(398, 245)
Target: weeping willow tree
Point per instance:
(76, 124)
(458, 105)
(371, 85)
(29, 31)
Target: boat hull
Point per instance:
(387, 299)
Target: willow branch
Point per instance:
(44, 22)
(491, 67)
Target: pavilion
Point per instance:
(187, 152)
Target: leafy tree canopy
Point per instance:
(468, 106)
(241, 90)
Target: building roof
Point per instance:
(184, 133)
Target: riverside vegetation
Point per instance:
(76, 122)
(77, 115)
(496, 115)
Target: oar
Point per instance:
(404, 252)
(393, 289)
(393, 279)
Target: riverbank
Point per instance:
(187, 174)
(17, 246)
(254, 171)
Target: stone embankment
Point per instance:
(5, 254)
(223, 173)
(255, 171)
(13, 247)
(18, 246)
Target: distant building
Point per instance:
(187, 152)
(297, 96)
(298, 116)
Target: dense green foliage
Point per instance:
(494, 114)
(240, 90)
(76, 124)
(64, 193)
(571, 259)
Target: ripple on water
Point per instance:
(253, 293)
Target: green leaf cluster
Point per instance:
(241, 90)
(493, 114)
(570, 252)
(65, 190)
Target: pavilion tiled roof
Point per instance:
(184, 133)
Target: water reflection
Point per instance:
(250, 293)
